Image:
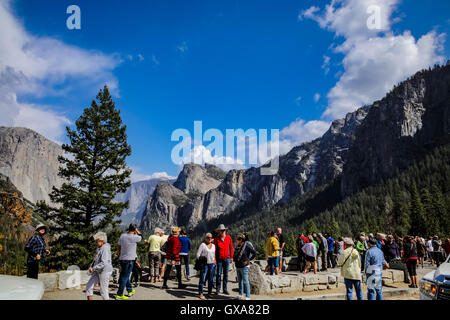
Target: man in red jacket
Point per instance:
(224, 252)
(173, 247)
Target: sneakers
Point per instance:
(121, 298)
(202, 297)
(130, 294)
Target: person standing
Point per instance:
(330, 245)
(206, 254)
(373, 267)
(127, 246)
(429, 246)
(224, 252)
(101, 267)
(164, 239)
(361, 250)
(154, 254)
(350, 263)
(242, 255)
(421, 251)
(173, 248)
(323, 250)
(391, 249)
(310, 251)
(299, 243)
(282, 244)
(272, 251)
(184, 252)
(437, 252)
(410, 258)
(36, 250)
(339, 247)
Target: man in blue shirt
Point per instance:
(184, 252)
(373, 267)
(330, 259)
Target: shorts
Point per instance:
(310, 259)
(163, 258)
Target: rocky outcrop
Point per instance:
(30, 161)
(182, 202)
(211, 193)
(137, 195)
(399, 129)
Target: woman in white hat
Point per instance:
(36, 250)
(101, 268)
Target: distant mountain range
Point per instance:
(368, 145)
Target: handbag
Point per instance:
(200, 263)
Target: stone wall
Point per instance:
(293, 281)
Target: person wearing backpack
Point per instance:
(350, 264)
(242, 255)
(206, 263)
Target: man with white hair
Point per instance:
(101, 267)
(154, 254)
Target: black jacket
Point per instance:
(241, 257)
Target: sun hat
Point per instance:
(41, 226)
(221, 227)
(348, 242)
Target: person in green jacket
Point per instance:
(361, 250)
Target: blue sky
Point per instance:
(231, 64)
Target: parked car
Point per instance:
(435, 285)
(20, 288)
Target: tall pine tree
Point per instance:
(95, 171)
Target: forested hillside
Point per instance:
(416, 201)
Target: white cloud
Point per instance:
(298, 101)
(155, 60)
(326, 64)
(301, 131)
(316, 97)
(200, 155)
(183, 47)
(374, 59)
(137, 176)
(42, 67)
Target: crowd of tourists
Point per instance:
(368, 256)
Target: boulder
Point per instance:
(259, 283)
(322, 287)
(397, 275)
(332, 279)
(310, 288)
(261, 263)
(71, 279)
(49, 280)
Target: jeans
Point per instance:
(273, 263)
(185, 261)
(222, 264)
(349, 284)
(330, 259)
(374, 288)
(242, 274)
(206, 274)
(167, 273)
(126, 266)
